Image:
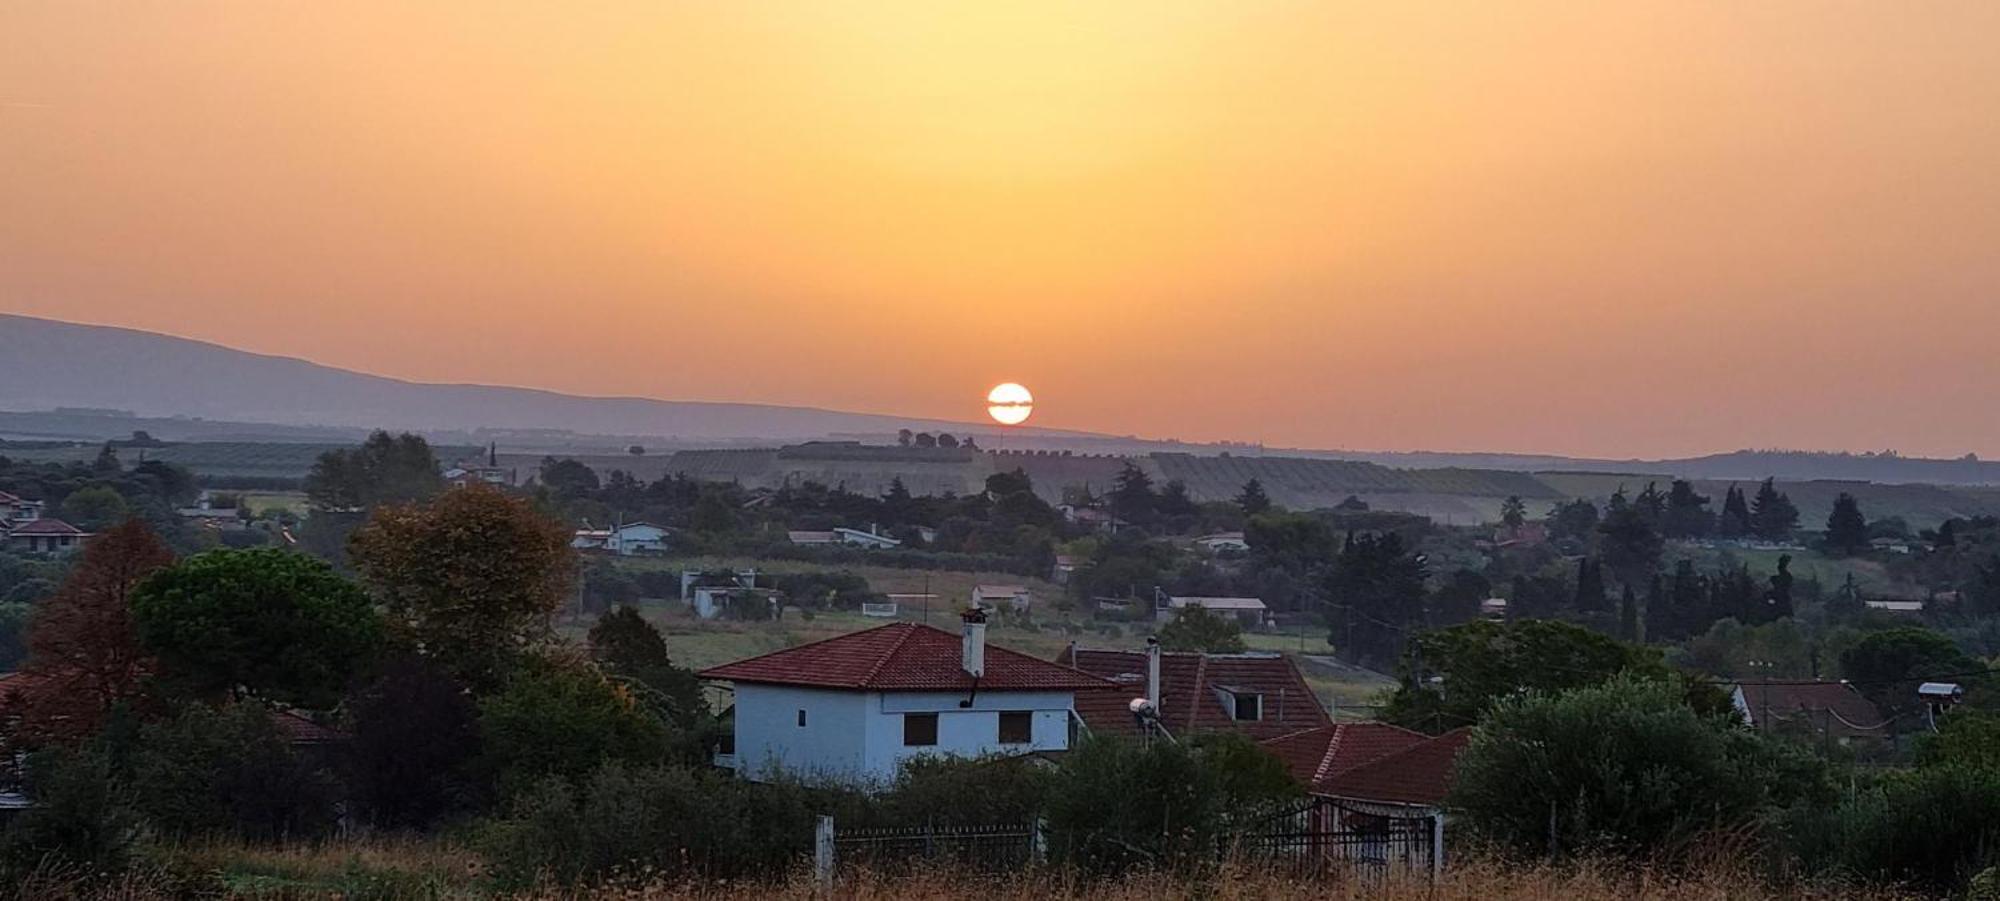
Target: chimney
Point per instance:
(1153, 672)
(973, 655)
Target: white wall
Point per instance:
(858, 737)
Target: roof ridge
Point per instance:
(799, 647)
(868, 680)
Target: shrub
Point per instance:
(416, 733)
(1933, 828)
(1622, 769)
(227, 771)
(80, 818)
(564, 719)
(1116, 804)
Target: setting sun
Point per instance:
(1009, 404)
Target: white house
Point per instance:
(625, 540)
(1249, 611)
(872, 538)
(1015, 596)
(854, 707)
(1223, 542)
(45, 535)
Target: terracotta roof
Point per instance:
(1316, 754)
(295, 729)
(6, 498)
(1420, 774)
(47, 525)
(901, 657)
(1831, 706)
(1188, 684)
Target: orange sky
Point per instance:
(1634, 228)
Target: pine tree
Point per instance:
(1652, 505)
(1735, 519)
(1628, 616)
(1687, 512)
(1846, 527)
(1772, 515)
(1253, 500)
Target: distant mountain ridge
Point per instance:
(45, 364)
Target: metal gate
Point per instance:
(1329, 836)
(986, 848)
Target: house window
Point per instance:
(1249, 707)
(919, 730)
(802, 718)
(1017, 727)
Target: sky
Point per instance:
(1612, 229)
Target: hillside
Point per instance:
(45, 364)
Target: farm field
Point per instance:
(217, 460)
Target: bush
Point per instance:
(970, 792)
(416, 735)
(564, 719)
(1115, 804)
(1933, 828)
(80, 819)
(227, 771)
(663, 821)
(1622, 769)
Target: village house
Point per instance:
(1016, 597)
(475, 472)
(45, 535)
(1064, 567)
(1824, 711)
(872, 539)
(1251, 612)
(626, 540)
(1261, 695)
(1383, 784)
(854, 707)
(15, 510)
(1223, 542)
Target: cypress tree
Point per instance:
(1772, 515)
(1735, 519)
(1589, 586)
(1628, 616)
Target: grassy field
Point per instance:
(389, 868)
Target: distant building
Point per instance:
(728, 601)
(45, 535)
(1064, 568)
(17, 510)
(626, 540)
(1016, 597)
(1248, 611)
(1826, 710)
(854, 707)
(475, 472)
(1223, 542)
(872, 539)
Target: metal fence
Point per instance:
(984, 848)
(1330, 837)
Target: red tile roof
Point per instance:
(901, 657)
(1188, 684)
(1314, 755)
(47, 525)
(1420, 774)
(1831, 706)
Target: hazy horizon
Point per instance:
(1647, 230)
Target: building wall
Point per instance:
(858, 736)
(966, 732)
(769, 738)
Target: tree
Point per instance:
(1630, 544)
(1375, 590)
(94, 507)
(1590, 597)
(1622, 769)
(1735, 519)
(1687, 513)
(1778, 600)
(385, 469)
(1253, 500)
(81, 642)
(633, 652)
(1887, 666)
(107, 463)
(926, 439)
(470, 579)
(1132, 497)
(904, 437)
(636, 450)
(1628, 616)
(1772, 516)
(416, 730)
(1448, 678)
(713, 513)
(1197, 629)
(1576, 520)
(567, 477)
(280, 625)
(1846, 527)
(1513, 512)
(945, 439)
(1461, 597)
(1115, 805)
(226, 770)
